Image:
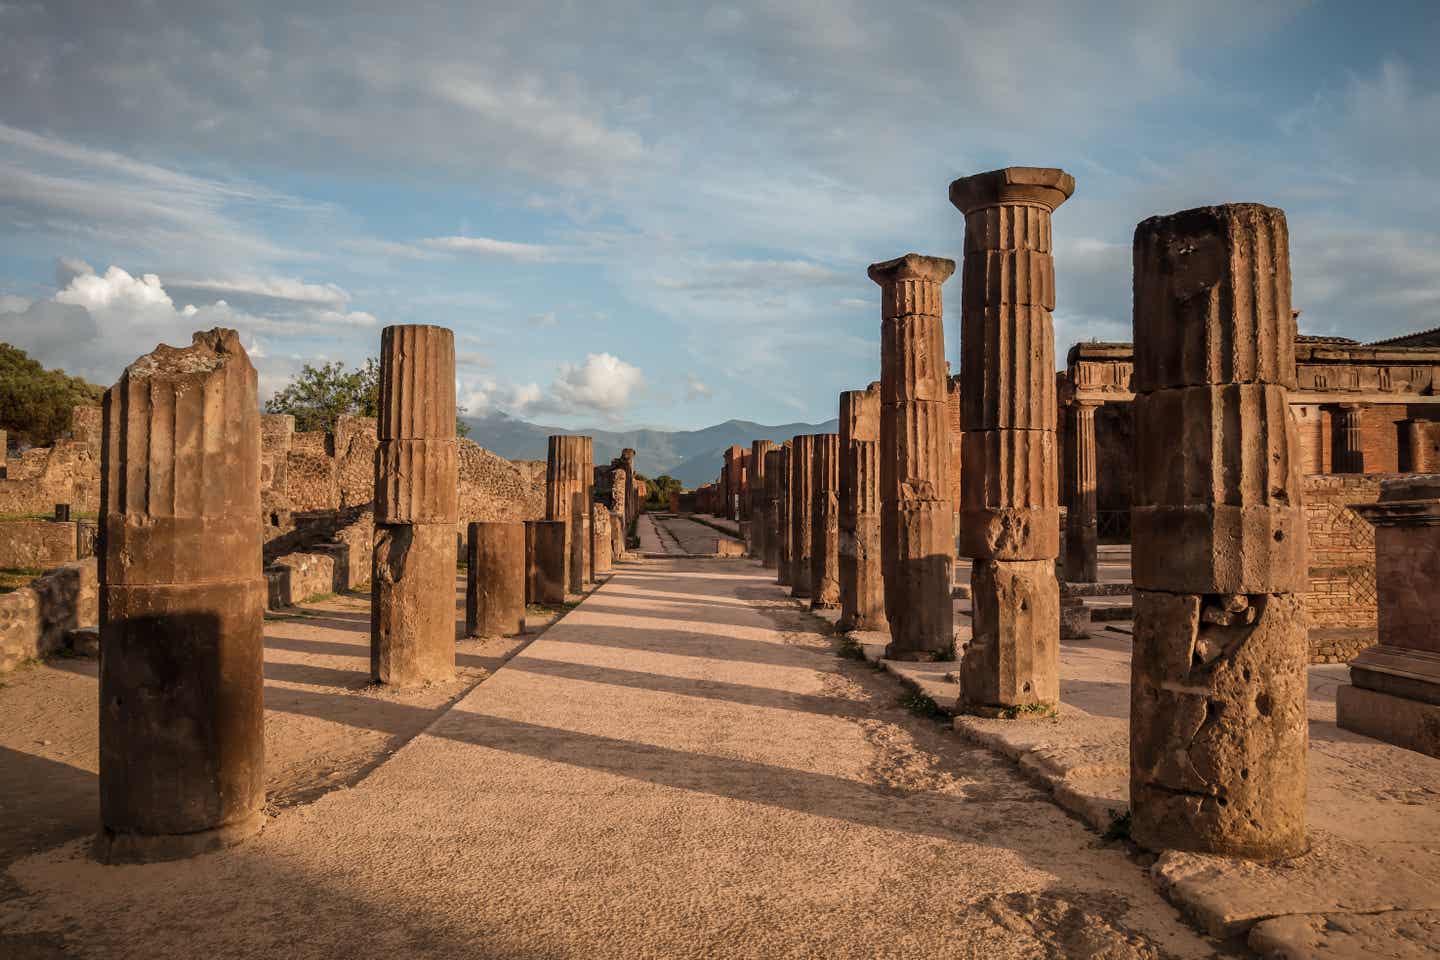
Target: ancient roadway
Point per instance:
(681, 767)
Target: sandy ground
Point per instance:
(681, 767)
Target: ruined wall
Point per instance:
(36, 620)
(493, 488)
(68, 472)
(1341, 547)
(38, 544)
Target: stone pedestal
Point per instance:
(774, 467)
(1218, 731)
(802, 514)
(1349, 439)
(825, 527)
(495, 579)
(1082, 550)
(1009, 514)
(182, 602)
(917, 541)
(862, 587)
(546, 561)
(412, 581)
(569, 469)
(1394, 689)
(600, 554)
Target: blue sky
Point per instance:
(662, 217)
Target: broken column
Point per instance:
(182, 604)
(862, 588)
(802, 513)
(547, 564)
(1010, 510)
(1218, 733)
(600, 553)
(567, 497)
(617, 536)
(1394, 688)
(825, 524)
(773, 467)
(784, 486)
(495, 579)
(759, 497)
(917, 532)
(412, 616)
(1082, 542)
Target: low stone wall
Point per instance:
(40, 544)
(36, 620)
(338, 564)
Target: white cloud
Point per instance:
(695, 388)
(268, 288)
(490, 247)
(602, 384)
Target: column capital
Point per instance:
(912, 266)
(1047, 187)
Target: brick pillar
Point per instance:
(601, 561)
(1010, 510)
(802, 514)
(785, 487)
(862, 588)
(1349, 439)
(774, 465)
(917, 531)
(412, 583)
(825, 525)
(1218, 732)
(495, 579)
(1081, 537)
(568, 469)
(759, 497)
(182, 604)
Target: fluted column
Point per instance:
(568, 471)
(1010, 514)
(1218, 727)
(802, 514)
(759, 497)
(785, 572)
(774, 466)
(862, 587)
(412, 583)
(1081, 520)
(1349, 439)
(916, 524)
(825, 525)
(182, 603)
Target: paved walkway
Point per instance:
(681, 767)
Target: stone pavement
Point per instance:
(680, 767)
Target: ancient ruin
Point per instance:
(862, 586)
(759, 510)
(1218, 732)
(601, 545)
(774, 485)
(784, 509)
(1009, 514)
(413, 577)
(495, 579)
(568, 473)
(547, 564)
(825, 523)
(182, 748)
(802, 514)
(916, 526)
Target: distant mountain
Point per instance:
(691, 456)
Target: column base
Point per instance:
(1412, 724)
(117, 848)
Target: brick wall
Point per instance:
(1341, 550)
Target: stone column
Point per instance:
(784, 484)
(495, 579)
(617, 535)
(1349, 439)
(412, 583)
(1218, 733)
(1394, 689)
(802, 514)
(825, 524)
(1010, 510)
(1082, 559)
(182, 603)
(917, 532)
(546, 561)
(1414, 451)
(759, 497)
(568, 469)
(600, 553)
(774, 461)
(862, 588)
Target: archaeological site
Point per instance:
(1096, 616)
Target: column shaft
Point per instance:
(862, 587)
(495, 579)
(802, 514)
(1349, 438)
(825, 527)
(1081, 521)
(569, 468)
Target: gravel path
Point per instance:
(681, 767)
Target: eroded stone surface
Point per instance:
(546, 564)
(1013, 655)
(825, 525)
(569, 471)
(495, 579)
(802, 514)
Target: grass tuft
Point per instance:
(1119, 828)
(850, 648)
(922, 705)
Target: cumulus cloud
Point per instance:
(603, 384)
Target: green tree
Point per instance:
(318, 396)
(35, 403)
(660, 489)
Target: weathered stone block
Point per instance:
(914, 440)
(412, 613)
(495, 579)
(546, 562)
(912, 357)
(825, 529)
(1013, 656)
(1236, 444)
(1218, 733)
(1212, 298)
(918, 545)
(416, 481)
(1010, 507)
(40, 544)
(994, 278)
(1401, 720)
(1007, 368)
(1219, 549)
